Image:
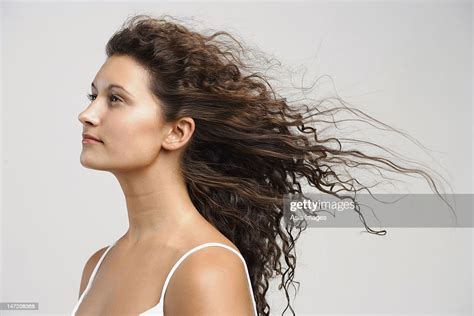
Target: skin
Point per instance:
(142, 151)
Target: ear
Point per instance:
(178, 133)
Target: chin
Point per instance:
(91, 163)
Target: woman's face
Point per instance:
(127, 120)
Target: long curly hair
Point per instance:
(251, 147)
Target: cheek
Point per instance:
(137, 139)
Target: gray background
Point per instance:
(408, 63)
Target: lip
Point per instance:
(89, 139)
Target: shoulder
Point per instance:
(89, 267)
(212, 280)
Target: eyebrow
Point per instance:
(112, 85)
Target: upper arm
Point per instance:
(211, 281)
(88, 268)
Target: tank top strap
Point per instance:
(92, 277)
(189, 252)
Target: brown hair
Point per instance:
(249, 147)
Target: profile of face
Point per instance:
(125, 116)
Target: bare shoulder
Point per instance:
(89, 267)
(213, 281)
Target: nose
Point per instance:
(88, 116)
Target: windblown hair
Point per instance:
(250, 147)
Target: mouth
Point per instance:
(91, 141)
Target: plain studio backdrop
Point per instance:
(408, 63)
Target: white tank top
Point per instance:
(158, 308)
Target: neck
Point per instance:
(157, 200)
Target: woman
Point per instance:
(204, 151)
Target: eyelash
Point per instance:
(90, 96)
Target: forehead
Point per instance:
(124, 71)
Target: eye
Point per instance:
(92, 97)
(113, 96)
